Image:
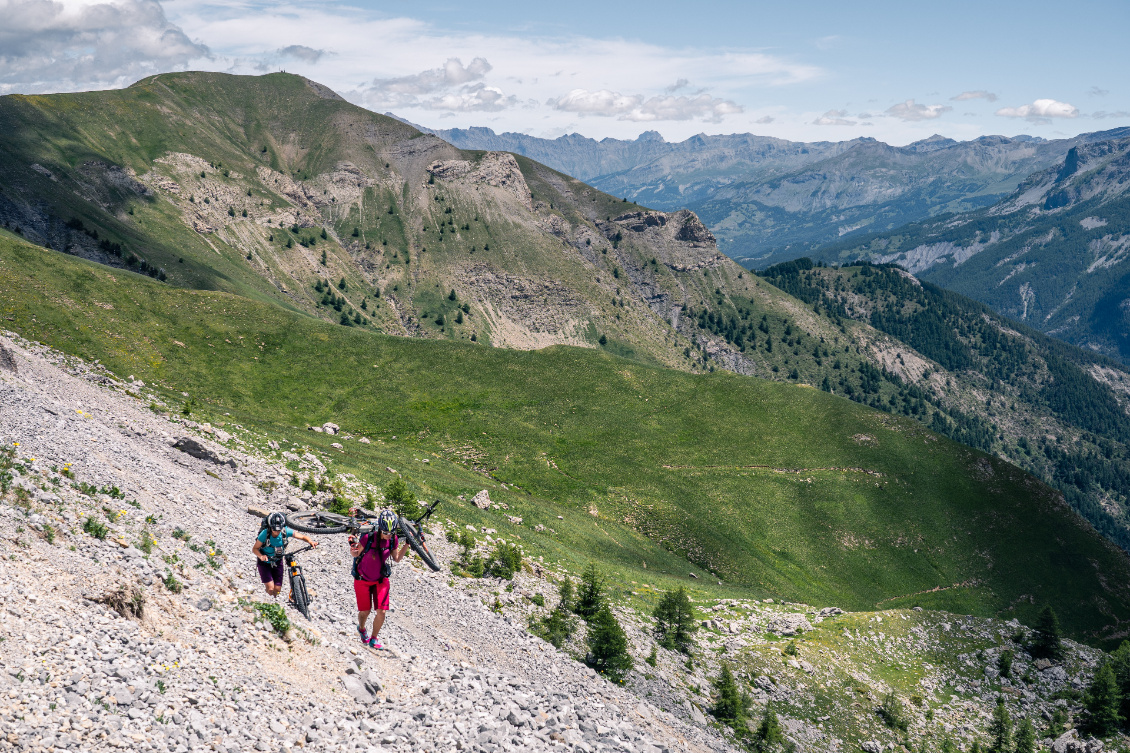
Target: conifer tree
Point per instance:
(1049, 640)
(674, 621)
(769, 735)
(1102, 702)
(590, 595)
(1120, 665)
(1000, 729)
(608, 645)
(1025, 737)
(732, 704)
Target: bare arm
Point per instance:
(256, 550)
(399, 553)
(307, 539)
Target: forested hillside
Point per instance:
(988, 382)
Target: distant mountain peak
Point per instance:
(652, 136)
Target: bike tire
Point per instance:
(301, 598)
(416, 540)
(316, 521)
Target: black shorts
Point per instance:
(270, 571)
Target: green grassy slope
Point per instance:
(782, 490)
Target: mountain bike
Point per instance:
(299, 596)
(414, 534)
(360, 522)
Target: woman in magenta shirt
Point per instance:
(372, 557)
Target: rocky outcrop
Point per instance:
(497, 169)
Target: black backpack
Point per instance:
(386, 566)
(279, 551)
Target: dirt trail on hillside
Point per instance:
(196, 671)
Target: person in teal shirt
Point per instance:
(269, 547)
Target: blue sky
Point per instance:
(802, 71)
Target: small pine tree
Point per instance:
(451, 296)
(401, 499)
(323, 258)
(356, 232)
(608, 645)
(324, 236)
(1025, 737)
(341, 285)
(1000, 729)
(458, 317)
(1102, 702)
(603, 340)
(1004, 663)
(732, 704)
(590, 596)
(565, 595)
(1120, 665)
(893, 713)
(1058, 725)
(674, 621)
(1048, 643)
(556, 627)
(769, 735)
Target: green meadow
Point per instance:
(769, 489)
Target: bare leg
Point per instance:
(273, 589)
(362, 620)
(378, 622)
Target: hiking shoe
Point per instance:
(373, 642)
(363, 634)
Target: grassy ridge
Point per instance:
(855, 507)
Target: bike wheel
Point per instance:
(415, 540)
(300, 598)
(316, 521)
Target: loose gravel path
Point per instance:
(196, 671)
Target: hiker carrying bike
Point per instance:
(269, 547)
(373, 555)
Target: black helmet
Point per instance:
(275, 521)
(387, 522)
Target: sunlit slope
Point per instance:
(783, 489)
(274, 188)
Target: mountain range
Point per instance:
(1052, 254)
(769, 199)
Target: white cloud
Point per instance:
(1040, 111)
(910, 111)
(680, 84)
(301, 52)
(407, 91)
(56, 46)
(473, 98)
(833, 118)
(979, 94)
(635, 108)
(765, 120)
